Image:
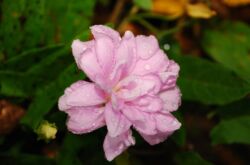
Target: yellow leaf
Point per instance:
(234, 3)
(171, 8)
(199, 10)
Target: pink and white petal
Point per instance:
(171, 99)
(89, 64)
(149, 103)
(100, 31)
(133, 87)
(104, 48)
(126, 52)
(141, 121)
(114, 146)
(166, 123)
(146, 46)
(157, 63)
(157, 138)
(84, 120)
(78, 48)
(81, 94)
(116, 122)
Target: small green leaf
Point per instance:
(236, 130)
(208, 82)
(229, 44)
(190, 158)
(144, 4)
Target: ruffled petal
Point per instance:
(148, 103)
(78, 48)
(157, 138)
(146, 46)
(114, 146)
(116, 122)
(100, 31)
(104, 48)
(84, 120)
(134, 87)
(80, 94)
(90, 65)
(126, 52)
(141, 121)
(156, 64)
(166, 122)
(171, 99)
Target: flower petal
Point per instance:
(133, 87)
(114, 146)
(166, 122)
(78, 48)
(156, 138)
(146, 46)
(104, 48)
(116, 122)
(157, 63)
(84, 120)
(89, 64)
(100, 31)
(126, 52)
(141, 121)
(79, 94)
(171, 99)
(148, 103)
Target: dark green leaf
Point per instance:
(229, 45)
(209, 83)
(236, 130)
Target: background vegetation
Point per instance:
(211, 43)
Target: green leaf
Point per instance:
(236, 130)
(235, 109)
(27, 59)
(18, 84)
(190, 158)
(229, 45)
(47, 97)
(208, 82)
(144, 4)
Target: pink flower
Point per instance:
(134, 85)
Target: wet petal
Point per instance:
(84, 120)
(89, 64)
(155, 64)
(104, 48)
(148, 103)
(141, 121)
(157, 138)
(133, 87)
(78, 48)
(114, 146)
(100, 31)
(116, 122)
(166, 122)
(146, 46)
(81, 94)
(171, 99)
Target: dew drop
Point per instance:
(147, 67)
(166, 46)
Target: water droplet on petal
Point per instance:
(147, 67)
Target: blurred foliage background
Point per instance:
(210, 39)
